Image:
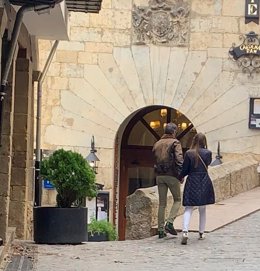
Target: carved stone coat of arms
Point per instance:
(162, 22)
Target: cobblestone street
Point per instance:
(234, 247)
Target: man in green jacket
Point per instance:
(169, 160)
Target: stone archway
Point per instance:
(136, 165)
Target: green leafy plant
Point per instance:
(71, 175)
(102, 226)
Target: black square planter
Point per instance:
(53, 225)
(97, 237)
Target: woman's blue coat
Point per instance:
(198, 189)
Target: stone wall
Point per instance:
(16, 151)
(229, 179)
(102, 76)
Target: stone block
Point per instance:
(71, 45)
(214, 24)
(4, 185)
(72, 70)
(66, 56)
(87, 58)
(201, 24)
(18, 221)
(218, 52)
(18, 193)
(122, 19)
(5, 149)
(21, 104)
(122, 4)
(7, 123)
(139, 215)
(106, 3)
(54, 69)
(79, 19)
(98, 47)
(44, 45)
(19, 176)
(117, 37)
(29, 221)
(206, 7)
(20, 141)
(86, 34)
(202, 41)
(232, 8)
(4, 203)
(103, 19)
(57, 83)
(21, 123)
(5, 162)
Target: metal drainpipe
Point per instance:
(14, 39)
(37, 200)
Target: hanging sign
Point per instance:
(252, 11)
(247, 54)
(249, 46)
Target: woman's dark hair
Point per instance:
(198, 141)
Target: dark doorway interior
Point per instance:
(137, 161)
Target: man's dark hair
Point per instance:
(170, 128)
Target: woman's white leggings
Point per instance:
(187, 217)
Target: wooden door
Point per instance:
(138, 159)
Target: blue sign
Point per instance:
(48, 185)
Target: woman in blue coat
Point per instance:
(198, 189)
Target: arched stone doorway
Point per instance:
(136, 167)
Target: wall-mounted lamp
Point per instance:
(92, 158)
(155, 124)
(218, 160)
(163, 112)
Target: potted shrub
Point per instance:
(74, 180)
(101, 230)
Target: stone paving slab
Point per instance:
(226, 211)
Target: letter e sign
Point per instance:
(252, 11)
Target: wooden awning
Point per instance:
(89, 6)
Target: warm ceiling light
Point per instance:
(178, 113)
(155, 124)
(163, 112)
(184, 125)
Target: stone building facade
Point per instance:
(16, 151)
(17, 124)
(148, 55)
(139, 54)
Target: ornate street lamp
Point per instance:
(217, 161)
(92, 158)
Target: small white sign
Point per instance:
(91, 204)
(257, 123)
